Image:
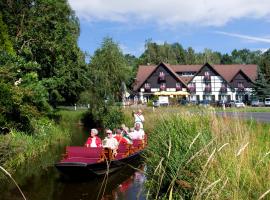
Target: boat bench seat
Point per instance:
(96, 153)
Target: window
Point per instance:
(240, 85)
(192, 87)
(178, 86)
(147, 86)
(163, 86)
(161, 76)
(207, 76)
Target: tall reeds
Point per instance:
(197, 155)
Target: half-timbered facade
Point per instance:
(202, 82)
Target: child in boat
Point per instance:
(93, 140)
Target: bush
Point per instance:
(108, 117)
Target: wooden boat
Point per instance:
(85, 162)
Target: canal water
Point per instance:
(39, 180)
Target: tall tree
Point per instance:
(46, 31)
(108, 69)
(190, 56)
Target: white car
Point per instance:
(267, 102)
(239, 104)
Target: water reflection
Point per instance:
(122, 185)
(39, 180)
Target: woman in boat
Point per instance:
(110, 141)
(138, 133)
(120, 138)
(93, 140)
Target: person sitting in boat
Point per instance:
(120, 137)
(110, 141)
(138, 133)
(93, 140)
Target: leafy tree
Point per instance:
(190, 56)
(226, 59)
(262, 86)
(108, 69)
(46, 31)
(179, 52)
(265, 65)
(5, 43)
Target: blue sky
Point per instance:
(218, 25)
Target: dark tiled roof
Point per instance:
(226, 71)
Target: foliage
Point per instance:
(108, 71)
(5, 43)
(23, 96)
(46, 32)
(202, 156)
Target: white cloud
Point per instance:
(246, 37)
(171, 12)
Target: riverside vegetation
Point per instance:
(18, 148)
(201, 156)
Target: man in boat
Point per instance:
(139, 118)
(138, 133)
(93, 140)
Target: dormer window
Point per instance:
(206, 76)
(240, 86)
(178, 87)
(163, 86)
(161, 76)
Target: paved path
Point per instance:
(258, 116)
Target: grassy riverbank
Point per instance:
(202, 156)
(18, 148)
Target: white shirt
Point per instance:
(93, 143)
(139, 118)
(137, 135)
(111, 143)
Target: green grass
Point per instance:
(193, 156)
(246, 109)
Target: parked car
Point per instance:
(256, 103)
(267, 102)
(204, 102)
(239, 104)
(221, 102)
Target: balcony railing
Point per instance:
(178, 88)
(192, 89)
(162, 87)
(241, 89)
